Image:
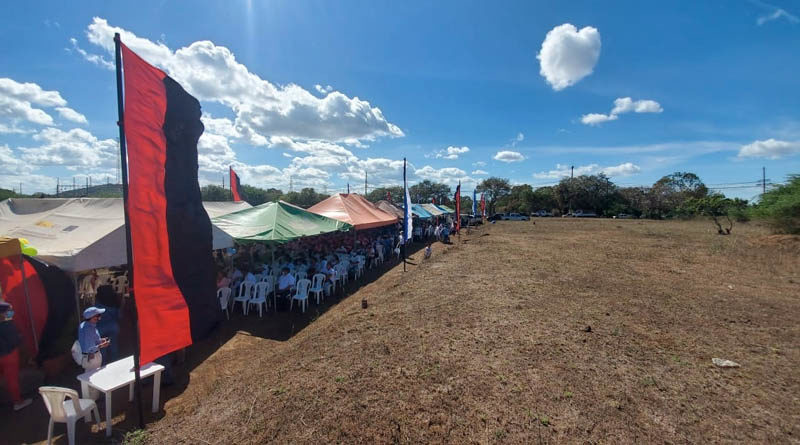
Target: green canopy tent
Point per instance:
(276, 223)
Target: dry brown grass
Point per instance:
(487, 342)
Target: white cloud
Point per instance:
(774, 14)
(770, 149)
(509, 156)
(262, 109)
(622, 105)
(16, 110)
(597, 118)
(451, 152)
(17, 102)
(96, 59)
(11, 164)
(72, 115)
(76, 148)
(479, 172)
(520, 137)
(561, 171)
(447, 175)
(568, 55)
(31, 92)
(626, 105)
(323, 89)
(479, 164)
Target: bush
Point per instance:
(780, 207)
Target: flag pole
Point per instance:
(405, 217)
(124, 167)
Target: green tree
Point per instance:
(780, 207)
(215, 193)
(670, 193)
(380, 194)
(715, 206)
(495, 188)
(5, 194)
(305, 198)
(427, 190)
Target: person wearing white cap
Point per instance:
(90, 340)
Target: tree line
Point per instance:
(677, 195)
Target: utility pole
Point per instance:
(58, 185)
(223, 182)
(572, 172)
(763, 180)
(365, 184)
(87, 186)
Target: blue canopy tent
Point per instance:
(418, 211)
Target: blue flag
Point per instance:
(407, 218)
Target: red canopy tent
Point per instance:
(355, 210)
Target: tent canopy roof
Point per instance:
(79, 234)
(353, 209)
(420, 211)
(276, 222)
(446, 209)
(433, 209)
(390, 208)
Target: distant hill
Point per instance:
(95, 191)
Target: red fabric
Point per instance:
(234, 181)
(9, 367)
(458, 208)
(14, 293)
(163, 314)
(483, 205)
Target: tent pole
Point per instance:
(274, 291)
(28, 302)
(128, 244)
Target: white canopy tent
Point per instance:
(78, 234)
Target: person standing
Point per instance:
(90, 340)
(10, 340)
(108, 326)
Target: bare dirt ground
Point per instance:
(576, 331)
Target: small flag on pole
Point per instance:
(457, 199)
(408, 223)
(235, 186)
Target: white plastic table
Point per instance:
(115, 375)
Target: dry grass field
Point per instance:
(562, 331)
(579, 331)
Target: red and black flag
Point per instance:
(235, 186)
(483, 205)
(388, 196)
(170, 232)
(457, 199)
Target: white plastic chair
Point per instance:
(67, 411)
(224, 296)
(245, 293)
(316, 286)
(259, 297)
(301, 275)
(301, 295)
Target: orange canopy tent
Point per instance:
(353, 209)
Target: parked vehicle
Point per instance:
(582, 214)
(496, 217)
(542, 214)
(517, 217)
(623, 216)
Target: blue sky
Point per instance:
(324, 91)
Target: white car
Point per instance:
(516, 217)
